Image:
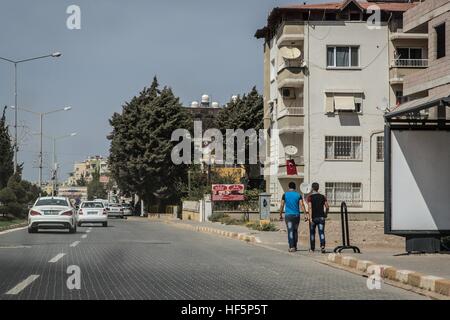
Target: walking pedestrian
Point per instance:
(293, 206)
(318, 210)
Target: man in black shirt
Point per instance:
(318, 210)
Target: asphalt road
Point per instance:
(151, 260)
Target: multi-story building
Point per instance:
(330, 70)
(87, 168)
(431, 17)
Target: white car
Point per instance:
(52, 213)
(115, 210)
(92, 212)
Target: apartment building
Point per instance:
(86, 169)
(330, 71)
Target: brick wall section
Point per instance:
(413, 15)
(437, 68)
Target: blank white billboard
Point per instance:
(420, 180)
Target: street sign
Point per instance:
(228, 192)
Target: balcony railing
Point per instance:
(291, 111)
(410, 63)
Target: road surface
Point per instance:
(151, 260)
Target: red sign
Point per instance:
(228, 192)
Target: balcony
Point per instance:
(291, 120)
(282, 172)
(399, 35)
(404, 67)
(410, 63)
(290, 77)
(290, 34)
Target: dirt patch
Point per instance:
(365, 234)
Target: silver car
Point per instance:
(114, 210)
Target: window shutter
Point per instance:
(329, 103)
(346, 103)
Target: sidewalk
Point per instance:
(425, 272)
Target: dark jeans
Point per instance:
(292, 223)
(320, 223)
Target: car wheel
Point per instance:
(105, 224)
(32, 230)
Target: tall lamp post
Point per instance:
(41, 118)
(15, 63)
(55, 165)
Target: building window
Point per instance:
(409, 53)
(343, 148)
(440, 41)
(380, 148)
(350, 192)
(342, 57)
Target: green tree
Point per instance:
(246, 112)
(82, 181)
(140, 151)
(6, 153)
(96, 189)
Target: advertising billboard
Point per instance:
(419, 182)
(228, 192)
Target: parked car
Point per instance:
(127, 209)
(52, 213)
(92, 212)
(115, 210)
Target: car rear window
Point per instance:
(92, 205)
(51, 202)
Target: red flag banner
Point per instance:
(291, 168)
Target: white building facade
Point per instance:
(328, 79)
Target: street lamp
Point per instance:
(15, 63)
(41, 117)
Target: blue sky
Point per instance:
(195, 46)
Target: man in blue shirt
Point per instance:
(293, 206)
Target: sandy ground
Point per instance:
(365, 234)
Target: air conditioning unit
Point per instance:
(288, 93)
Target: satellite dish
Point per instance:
(305, 188)
(290, 150)
(384, 106)
(290, 53)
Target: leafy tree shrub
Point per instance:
(260, 226)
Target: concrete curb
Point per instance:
(13, 226)
(224, 233)
(414, 279)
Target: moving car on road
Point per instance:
(115, 210)
(52, 213)
(92, 212)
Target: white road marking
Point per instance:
(25, 283)
(88, 230)
(75, 244)
(84, 236)
(57, 257)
